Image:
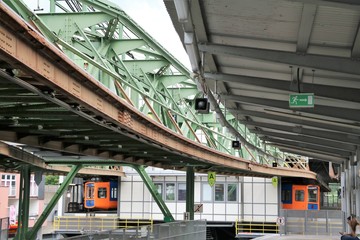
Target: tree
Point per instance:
(51, 180)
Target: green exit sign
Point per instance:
(301, 100)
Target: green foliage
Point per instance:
(51, 180)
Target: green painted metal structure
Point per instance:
(104, 40)
(154, 193)
(109, 45)
(63, 187)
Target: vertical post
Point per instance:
(52, 6)
(18, 232)
(31, 235)
(357, 185)
(190, 182)
(24, 203)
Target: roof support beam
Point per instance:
(355, 52)
(301, 120)
(308, 153)
(333, 136)
(306, 24)
(309, 147)
(347, 94)
(312, 61)
(330, 146)
(336, 112)
(351, 4)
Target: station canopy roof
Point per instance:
(253, 54)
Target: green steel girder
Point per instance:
(83, 20)
(30, 235)
(154, 193)
(24, 203)
(190, 191)
(138, 66)
(121, 46)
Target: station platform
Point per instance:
(298, 237)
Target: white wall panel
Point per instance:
(197, 192)
(125, 191)
(248, 209)
(258, 193)
(259, 209)
(248, 191)
(181, 208)
(271, 209)
(208, 208)
(219, 208)
(137, 208)
(232, 208)
(138, 191)
(271, 194)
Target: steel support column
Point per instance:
(357, 181)
(154, 193)
(24, 203)
(31, 235)
(190, 188)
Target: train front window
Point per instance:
(102, 193)
(90, 191)
(286, 196)
(299, 195)
(312, 192)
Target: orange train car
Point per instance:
(300, 197)
(101, 195)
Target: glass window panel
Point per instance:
(181, 192)
(8, 180)
(159, 188)
(102, 193)
(219, 192)
(206, 192)
(170, 191)
(299, 195)
(313, 192)
(232, 192)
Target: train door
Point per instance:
(313, 198)
(89, 195)
(299, 197)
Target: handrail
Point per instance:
(98, 223)
(244, 226)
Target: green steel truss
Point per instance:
(109, 45)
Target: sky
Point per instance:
(152, 16)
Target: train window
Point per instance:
(90, 191)
(159, 188)
(181, 192)
(219, 192)
(299, 195)
(170, 192)
(312, 192)
(286, 196)
(113, 193)
(102, 193)
(231, 192)
(206, 192)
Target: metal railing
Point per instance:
(312, 222)
(185, 230)
(250, 227)
(94, 223)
